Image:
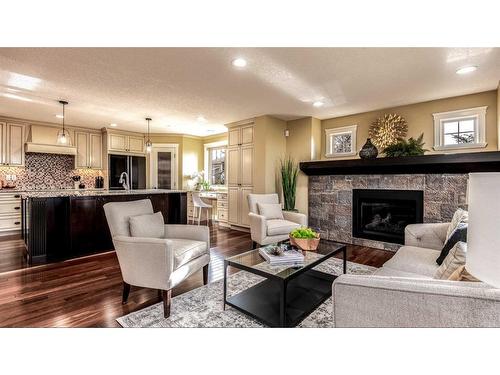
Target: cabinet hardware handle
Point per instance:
(17, 222)
(17, 208)
(17, 196)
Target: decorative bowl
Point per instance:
(307, 244)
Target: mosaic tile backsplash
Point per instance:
(48, 171)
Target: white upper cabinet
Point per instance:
(125, 143)
(12, 144)
(88, 150)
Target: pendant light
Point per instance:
(149, 144)
(62, 137)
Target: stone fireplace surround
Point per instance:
(330, 201)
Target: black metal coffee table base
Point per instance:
(284, 303)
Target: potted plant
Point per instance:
(289, 172)
(304, 238)
(410, 147)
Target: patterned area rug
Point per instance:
(202, 307)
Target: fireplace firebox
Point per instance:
(382, 215)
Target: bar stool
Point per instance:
(199, 205)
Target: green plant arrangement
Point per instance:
(303, 233)
(304, 238)
(289, 172)
(410, 147)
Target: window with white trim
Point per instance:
(341, 141)
(217, 165)
(465, 128)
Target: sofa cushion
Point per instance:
(460, 216)
(187, 250)
(270, 210)
(419, 260)
(149, 226)
(459, 235)
(276, 227)
(453, 261)
(389, 272)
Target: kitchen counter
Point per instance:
(63, 224)
(91, 192)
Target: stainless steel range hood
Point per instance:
(43, 139)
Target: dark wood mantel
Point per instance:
(435, 163)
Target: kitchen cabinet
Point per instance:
(125, 143)
(240, 171)
(88, 150)
(10, 213)
(12, 144)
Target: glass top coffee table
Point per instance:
(289, 293)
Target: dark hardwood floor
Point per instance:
(87, 292)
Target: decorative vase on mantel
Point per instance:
(368, 151)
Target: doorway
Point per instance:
(164, 166)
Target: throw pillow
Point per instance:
(461, 274)
(149, 226)
(453, 261)
(460, 216)
(460, 234)
(270, 210)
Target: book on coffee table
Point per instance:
(286, 257)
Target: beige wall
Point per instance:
(299, 146)
(269, 148)
(420, 120)
(192, 158)
(303, 144)
(498, 115)
(215, 138)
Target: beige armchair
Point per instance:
(159, 263)
(266, 231)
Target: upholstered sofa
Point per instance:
(403, 293)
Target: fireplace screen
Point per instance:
(382, 215)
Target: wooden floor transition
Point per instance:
(86, 292)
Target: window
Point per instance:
(217, 165)
(460, 129)
(341, 141)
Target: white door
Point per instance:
(164, 168)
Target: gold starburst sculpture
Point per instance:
(386, 130)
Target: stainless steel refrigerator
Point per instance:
(134, 166)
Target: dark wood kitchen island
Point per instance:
(61, 225)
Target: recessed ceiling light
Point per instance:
(22, 81)
(17, 97)
(239, 62)
(318, 104)
(201, 119)
(466, 69)
(113, 125)
(59, 116)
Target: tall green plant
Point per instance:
(289, 172)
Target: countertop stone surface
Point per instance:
(86, 192)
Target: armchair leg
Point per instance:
(205, 275)
(126, 291)
(167, 299)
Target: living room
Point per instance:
(247, 183)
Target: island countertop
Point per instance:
(91, 192)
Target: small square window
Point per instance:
(460, 129)
(341, 141)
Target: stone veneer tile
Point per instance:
(330, 201)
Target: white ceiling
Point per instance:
(176, 85)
